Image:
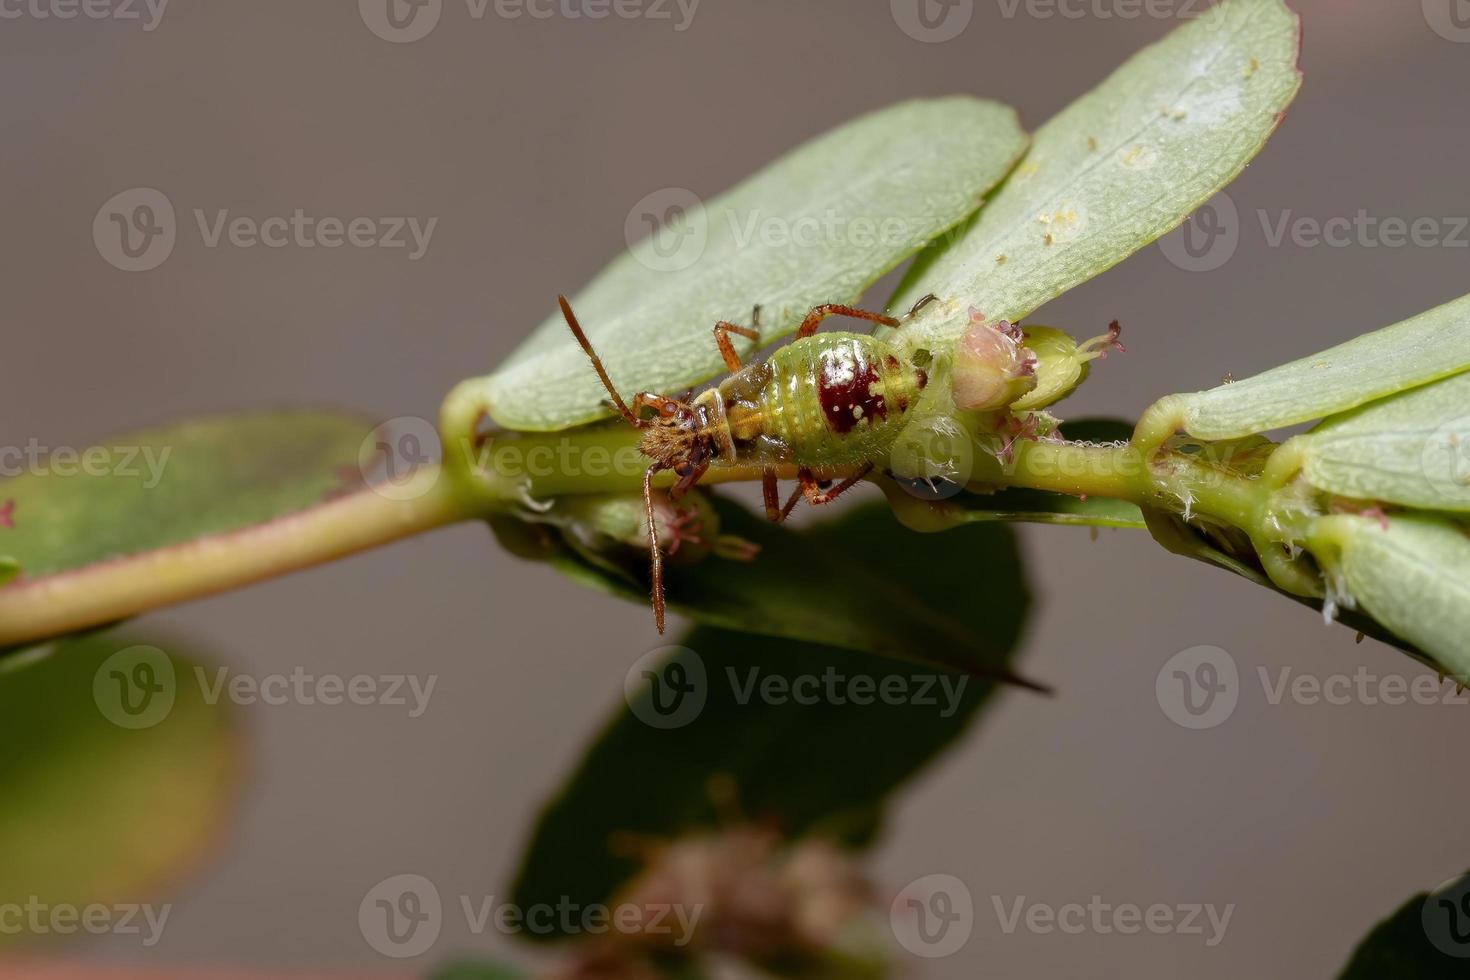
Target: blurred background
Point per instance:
(529, 139)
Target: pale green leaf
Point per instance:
(1120, 167)
(1426, 348)
(1413, 576)
(1412, 449)
(818, 226)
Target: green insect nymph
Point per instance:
(819, 403)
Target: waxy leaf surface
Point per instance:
(1417, 351)
(819, 225)
(1412, 449)
(1118, 168)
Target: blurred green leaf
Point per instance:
(1415, 352)
(825, 767)
(1399, 947)
(1411, 449)
(860, 582)
(166, 486)
(806, 768)
(1115, 170)
(819, 225)
(477, 969)
(118, 775)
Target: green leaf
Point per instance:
(1426, 348)
(861, 582)
(1239, 558)
(818, 226)
(1412, 575)
(160, 487)
(477, 969)
(1021, 505)
(1400, 946)
(823, 768)
(110, 790)
(1118, 168)
(1411, 449)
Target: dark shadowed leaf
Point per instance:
(806, 768)
(1400, 947)
(860, 582)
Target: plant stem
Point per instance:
(105, 592)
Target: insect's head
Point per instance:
(680, 441)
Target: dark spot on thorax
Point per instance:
(847, 386)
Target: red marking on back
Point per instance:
(846, 384)
(7, 514)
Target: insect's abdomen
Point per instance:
(829, 400)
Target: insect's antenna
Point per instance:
(655, 555)
(622, 406)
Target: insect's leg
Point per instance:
(723, 330)
(924, 301)
(816, 495)
(655, 555)
(662, 403)
(819, 313)
(768, 491)
(791, 501)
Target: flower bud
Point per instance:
(1061, 363)
(991, 369)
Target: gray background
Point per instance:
(530, 140)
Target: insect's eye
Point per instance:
(683, 469)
